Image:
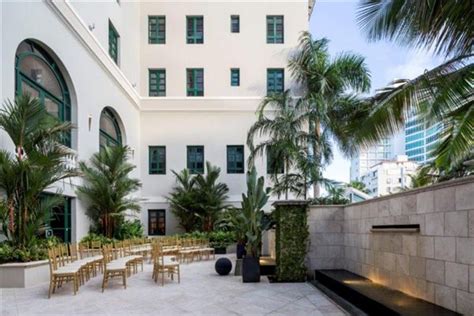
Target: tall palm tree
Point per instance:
(442, 94)
(330, 88)
(280, 133)
(37, 164)
(108, 187)
(182, 200)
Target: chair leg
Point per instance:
(124, 277)
(51, 287)
(104, 281)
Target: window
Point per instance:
(275, 81)
(235, 24)
(195, 82)
(157, 29)
(157, 82)
(194, 29)
(157, 160)
(156, 222)
(275, 29)
(235, 159)
(235, 77)
(38, 75)
(109, 130)
(196, 159)
(274, 164)
(113, 42)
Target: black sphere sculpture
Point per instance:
(223, 266)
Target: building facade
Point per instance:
(421, 138)
(366, 158)
(178, 82)
(389, 176)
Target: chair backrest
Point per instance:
(73, 253)
(53, 265)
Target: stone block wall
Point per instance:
(436, 264)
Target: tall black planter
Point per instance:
(250, 270)
(241, 252)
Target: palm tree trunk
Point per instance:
(286, 177)
(317, 132)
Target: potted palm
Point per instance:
(252, 216)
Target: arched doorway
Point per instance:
(110, 133)
(38, 74)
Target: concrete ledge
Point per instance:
(24, 274)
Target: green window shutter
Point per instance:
(157, 82)
(157, 160)
(194, 29)
(274, 165)
(275, 80)
(235, 77)
(113, 42)
(195, 159)
(275, 29)
(157, 29)
(235, 24)
(235, 159)
(195, 82)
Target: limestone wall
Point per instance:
(436, 264)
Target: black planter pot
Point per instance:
(250, 270)
(220, 250)
(241, 252)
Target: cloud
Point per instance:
(413, 65)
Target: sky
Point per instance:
(336, 20)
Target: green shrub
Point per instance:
(291, 242)
(217, 239)
(38, 250)
(92, 237)
(130, 230)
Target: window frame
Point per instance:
(157, 212)
(114, 35)
(232, 72)
(194, 91)
(195, 38)
(275, 38)
(158, 72)
(274, 71)
(233, 18)
(116, 142)
(234, 169)
(160, 37)
(157, 170)
(195, 169)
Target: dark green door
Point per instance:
(60, 223)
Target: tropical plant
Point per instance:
(442, 94)
(359, 186)
(285, 141)
(335, 196)
(130, 229)
(107, 188)
(329, 88)
(252, 214)
(197, 200)
(38, 162)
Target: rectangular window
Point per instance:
(235, 77)
(275, 29)
(157, 160)
(274, 165)
(275, 80)
(235, 24)
(156, 222)
(235, 159)
(195, 82)
(194, 29)
(195, 159)
(113, 42)
(157, 82)
(157, 29)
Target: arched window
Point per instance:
(38, 75)
(110, 134)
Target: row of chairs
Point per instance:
(186, 249)
(118, 263)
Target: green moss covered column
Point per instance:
(291, 240)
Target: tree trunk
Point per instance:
(286, 178)
(317, 132)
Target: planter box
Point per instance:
(24, 274)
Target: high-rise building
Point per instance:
(366, 158)
(421, 138)
(178, 82)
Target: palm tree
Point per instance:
(442, 94)
(108, 187)
(329, 88)
(37, 164)
(182, 200)
(284, 141)
(211, 196)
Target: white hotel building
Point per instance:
(177, 81)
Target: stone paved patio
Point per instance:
(201, 292)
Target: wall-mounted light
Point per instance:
(134, 84)
(91, 27)
(132, 153)
(90, 122)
